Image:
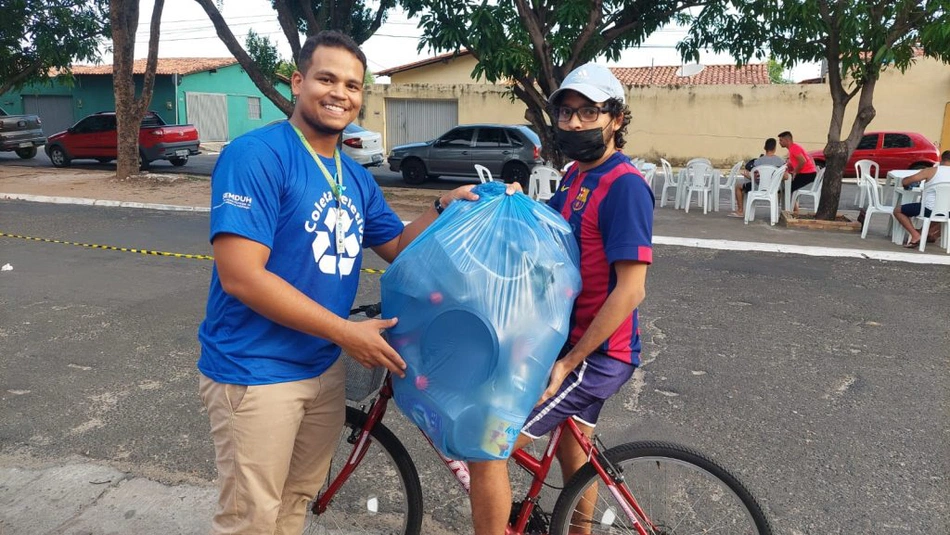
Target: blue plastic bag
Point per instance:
(484, 298)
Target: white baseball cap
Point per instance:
(595, 82)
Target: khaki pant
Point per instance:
(273, 445)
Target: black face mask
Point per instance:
(581, 145)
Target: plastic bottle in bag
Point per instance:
(483, 298)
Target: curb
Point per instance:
(100, 202)
(699, 243)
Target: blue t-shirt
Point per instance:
(266, 187)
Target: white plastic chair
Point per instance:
(543, 182)
(484, 175)
(649, 174)
(864, 169)
(770, 179)
(812, 190)
(873, 191)
(730, 185)
(940, 213)
(669, 181)
(700, 178)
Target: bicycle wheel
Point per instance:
(680, 491)
(381, 496)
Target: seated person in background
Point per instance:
(801, 167)
(938, 174)
(769, 158)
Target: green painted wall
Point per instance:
(237, 85)
(93, 93)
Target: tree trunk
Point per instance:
(838, 151)
(836, 156)
(251, 68)
(124, 17)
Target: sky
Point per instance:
(187, 32)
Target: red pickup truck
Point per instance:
(95, 138)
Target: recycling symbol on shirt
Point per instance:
(327, 258)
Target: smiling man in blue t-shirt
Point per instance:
(289, 220)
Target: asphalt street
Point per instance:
(822, 382)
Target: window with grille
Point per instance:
(253, 107)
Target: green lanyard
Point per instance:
(335, 187)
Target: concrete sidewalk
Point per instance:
(89, 498)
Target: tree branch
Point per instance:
(24, 74)
(285, 16)
(596, 14)
(540, 47)
(313, 27)
(378, 19)
(251, 68)
(151, 64)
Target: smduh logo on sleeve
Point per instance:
(240, 201)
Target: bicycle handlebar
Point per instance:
(370, 311)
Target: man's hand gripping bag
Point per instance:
(484, 299)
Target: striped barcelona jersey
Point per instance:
(610, 210)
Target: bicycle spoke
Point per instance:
(375, 498)
(679, 491)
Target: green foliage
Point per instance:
(776, 72)
(286, 69)
(264, 54)
(863, 38)
(501, 40)
(534, 44)
(351, 17)
(39, 35)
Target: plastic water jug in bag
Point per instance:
(484, 298)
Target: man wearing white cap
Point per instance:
(610, 209)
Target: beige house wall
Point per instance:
(725, 123)
(451, 71)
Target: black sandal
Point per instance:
(912, 245)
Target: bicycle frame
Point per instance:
(538, 467)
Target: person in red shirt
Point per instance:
(801, 167)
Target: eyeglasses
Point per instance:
(587, 114)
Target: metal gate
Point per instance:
(55, 112)
(408, 120)
(209, 113)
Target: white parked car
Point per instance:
(364, 146)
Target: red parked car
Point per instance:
(891, 150)
(95, 138)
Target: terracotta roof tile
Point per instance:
(755, 74)
(165, 66)
(422, 63)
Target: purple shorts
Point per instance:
(582, 394)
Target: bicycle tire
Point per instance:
(679, 489)
(381, 496)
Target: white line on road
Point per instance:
(806, 250)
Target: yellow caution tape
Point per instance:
(137, 251)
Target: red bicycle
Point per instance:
(644, 488)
